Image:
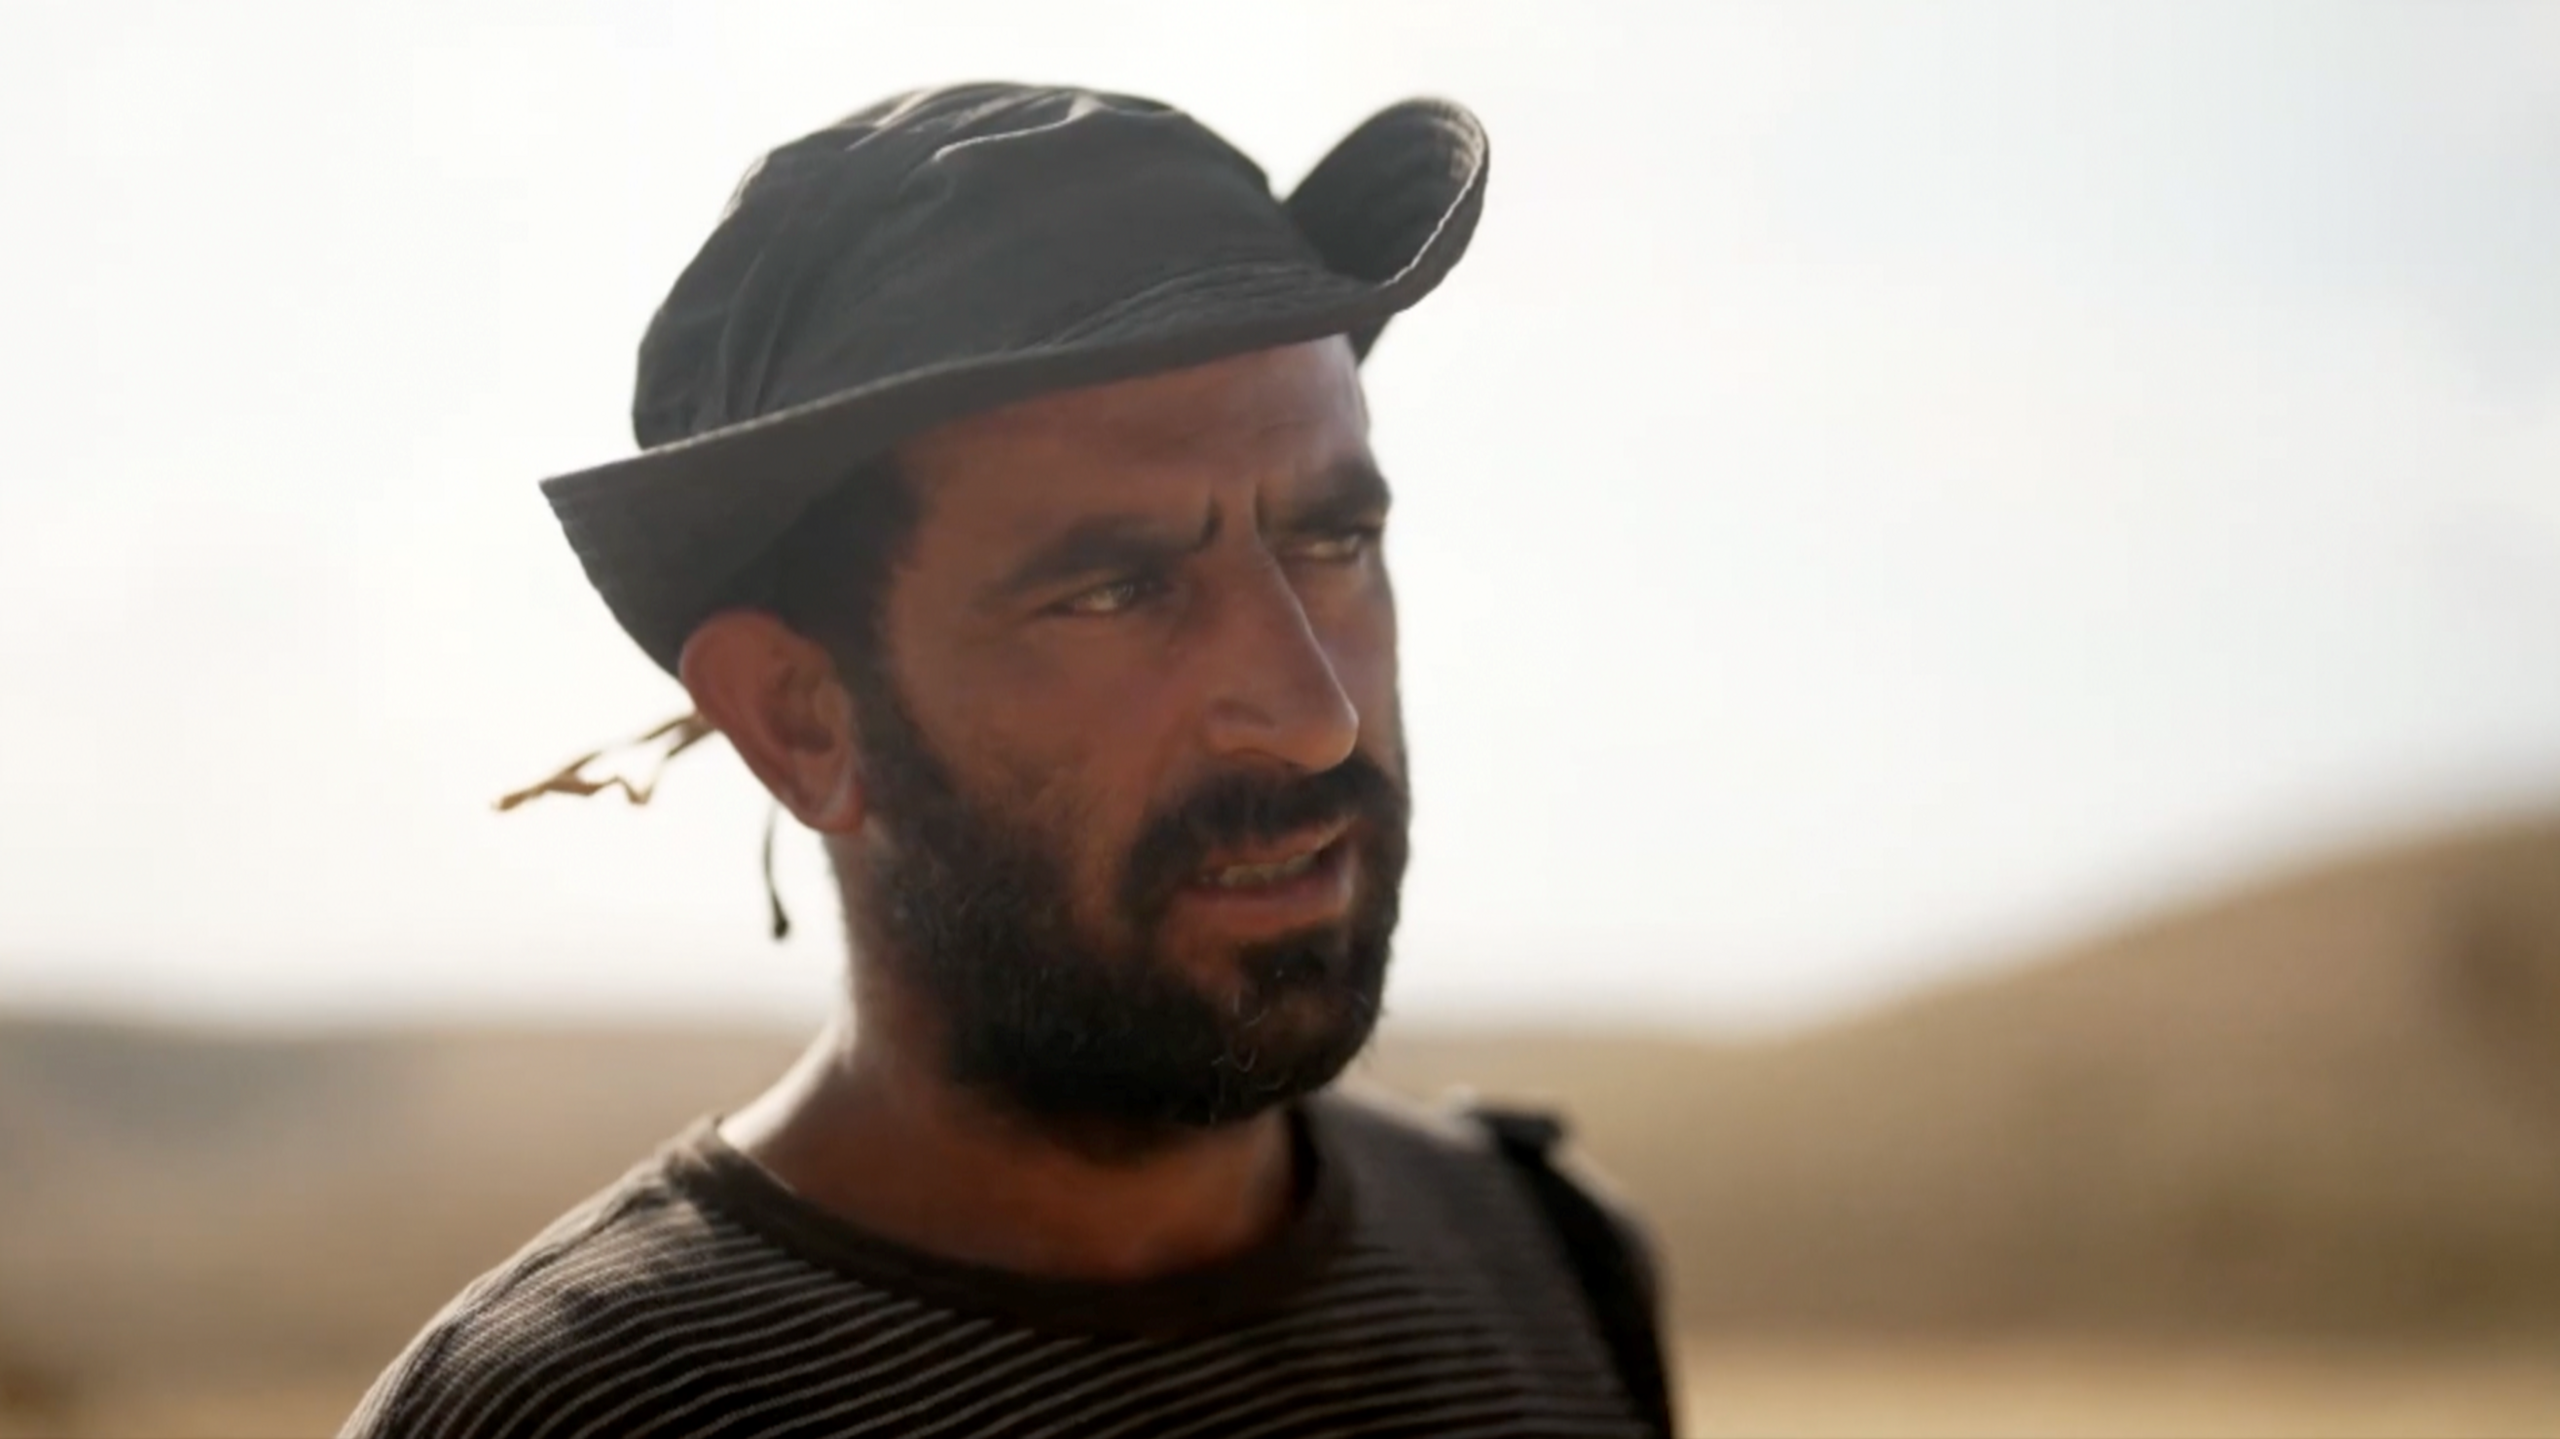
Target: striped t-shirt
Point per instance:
(1418, 1291)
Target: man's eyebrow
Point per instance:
(1348, 494)
(1100, 544)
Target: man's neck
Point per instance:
(874, 1135)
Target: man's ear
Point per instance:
(775, 694)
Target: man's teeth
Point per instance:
(1239, 876)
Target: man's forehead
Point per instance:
(992, 524)
(1299, 395)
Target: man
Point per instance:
(1006, 501)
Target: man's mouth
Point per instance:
(1248, 876)
(1272, 864)
(1306, 879)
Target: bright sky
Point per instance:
(1892, 484)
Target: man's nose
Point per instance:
(1276, 696)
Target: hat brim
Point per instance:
(670, 536)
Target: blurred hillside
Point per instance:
(2329, 1108)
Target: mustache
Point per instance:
(1246, 808)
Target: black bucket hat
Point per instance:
(956, 250)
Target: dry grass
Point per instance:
(2012, 1390)
(2327, 1111)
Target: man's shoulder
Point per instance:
(1375, 1117)
(1462, 1134)
(1506, 1181)
(1464, 1145)
(552, 1333)
(1435, 1156)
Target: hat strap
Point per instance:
(773, 892)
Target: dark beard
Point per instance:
(1113, 1049)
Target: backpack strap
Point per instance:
(1609, 1257)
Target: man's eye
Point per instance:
(1111, 599)
(1348, 545)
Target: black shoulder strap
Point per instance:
(1616, 1278)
